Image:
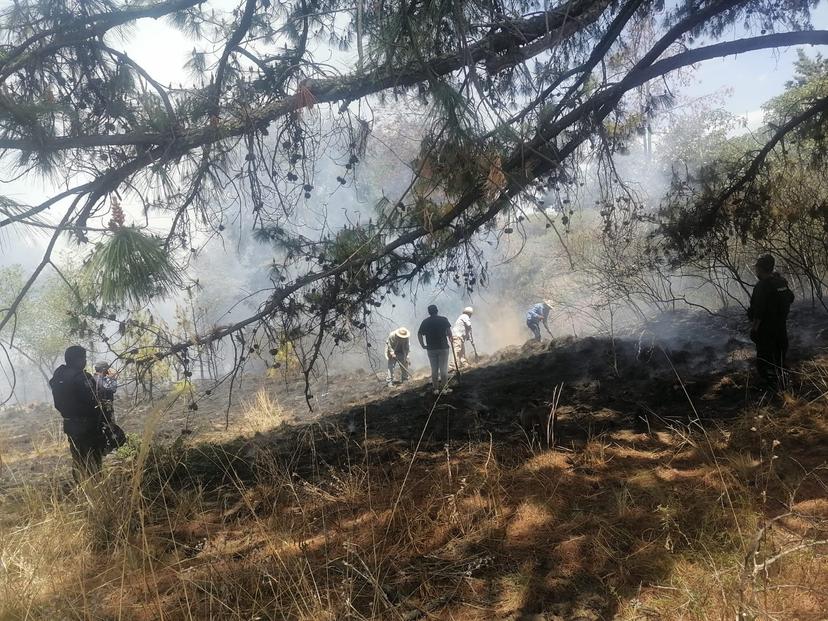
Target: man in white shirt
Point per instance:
(460, 333)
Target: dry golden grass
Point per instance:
(691, 524)
(262, 413)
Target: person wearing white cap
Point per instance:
(537, 314)
(396, 352)
(460, 333)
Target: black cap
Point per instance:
(432, 309)
(766, 262)
(74, 353)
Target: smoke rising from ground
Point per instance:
(526, 266)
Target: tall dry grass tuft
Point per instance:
(262, 413)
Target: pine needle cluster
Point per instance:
(131, 267)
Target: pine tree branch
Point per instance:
(730, 48)
(570, 25)
(584, 70)
(162, 93)
(82, 29)
(348, 88)
(238, 34)
(45, 205)
(819, 106)
(514, 170)
(11, 311)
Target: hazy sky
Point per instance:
(753, 78)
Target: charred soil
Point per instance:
(673, 489)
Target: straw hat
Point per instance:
(402, 333)
(548, 303)
(468, 310)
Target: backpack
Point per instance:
(784, 299)
(64, 384)
(115, 437)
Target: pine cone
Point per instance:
(117, 220)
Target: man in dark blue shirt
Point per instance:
(436, 330)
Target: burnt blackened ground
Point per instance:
(685, 366)
(643, 382)
(464, 517)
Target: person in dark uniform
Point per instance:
(769, 305)
(73, 391)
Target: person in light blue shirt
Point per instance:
(538, 314)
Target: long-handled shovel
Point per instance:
(456, 365)
(404, 368)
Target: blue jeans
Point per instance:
(439, 360)
(534, 326)
(392, 363)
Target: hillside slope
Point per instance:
(674, 490)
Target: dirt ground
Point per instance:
(683, 365)
(394, 503)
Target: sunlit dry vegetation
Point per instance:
(237, 240)
(688, 522)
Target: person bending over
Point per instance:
(538, 314)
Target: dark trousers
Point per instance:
(87, 448)
(771, 351)
(534, 326)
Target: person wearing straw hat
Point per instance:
(460, 333)
(538, 314)
(396, 352)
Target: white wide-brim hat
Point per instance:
(402, 333)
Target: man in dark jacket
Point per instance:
(768, 313)
(73, 391)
